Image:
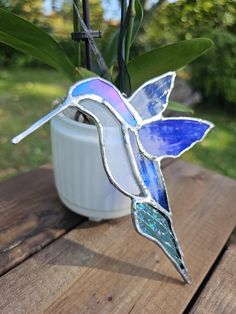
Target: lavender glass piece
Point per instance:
(107, 92)
(171, 137)
(152, 97)
(151, 174)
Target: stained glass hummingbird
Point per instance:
(145, 137)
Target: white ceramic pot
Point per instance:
(80, 178)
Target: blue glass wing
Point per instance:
(152, 97)
(151, 174)
(107, 92)
(156, 226)
(171, 137)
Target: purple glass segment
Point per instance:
(171, 137)
(150, 173)
(103, 89)
(151, 98)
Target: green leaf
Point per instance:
(175, 106)
(110, 51)
(165, 59)
(82, 73)
(28, 38)
(138, 19)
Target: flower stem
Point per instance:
(128, 40)
(123, 13)
(76, 25)
(121, 47)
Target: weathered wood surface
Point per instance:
(108, 268)
(31, 216)
(219, 295)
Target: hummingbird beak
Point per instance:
(42, 121)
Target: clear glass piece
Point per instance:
(112, 143)
(152, 97)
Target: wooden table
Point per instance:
(54, 261)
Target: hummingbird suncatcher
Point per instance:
(145, 138)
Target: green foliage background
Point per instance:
(58, 24)
(186, 19)
(163, 23)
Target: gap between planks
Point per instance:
(219, 293)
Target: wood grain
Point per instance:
(219, 295)
(31, 216)
(109, 268)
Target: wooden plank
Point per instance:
(31, 216)
(219, 295)
(109, 268)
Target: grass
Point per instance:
(218, 151)
(26, 95)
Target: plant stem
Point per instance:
(86, 17)
(76, 25)
(123, 13)
(121, 47)
(128, 39)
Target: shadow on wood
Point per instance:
(77, 254)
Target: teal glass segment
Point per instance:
(156, 225)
